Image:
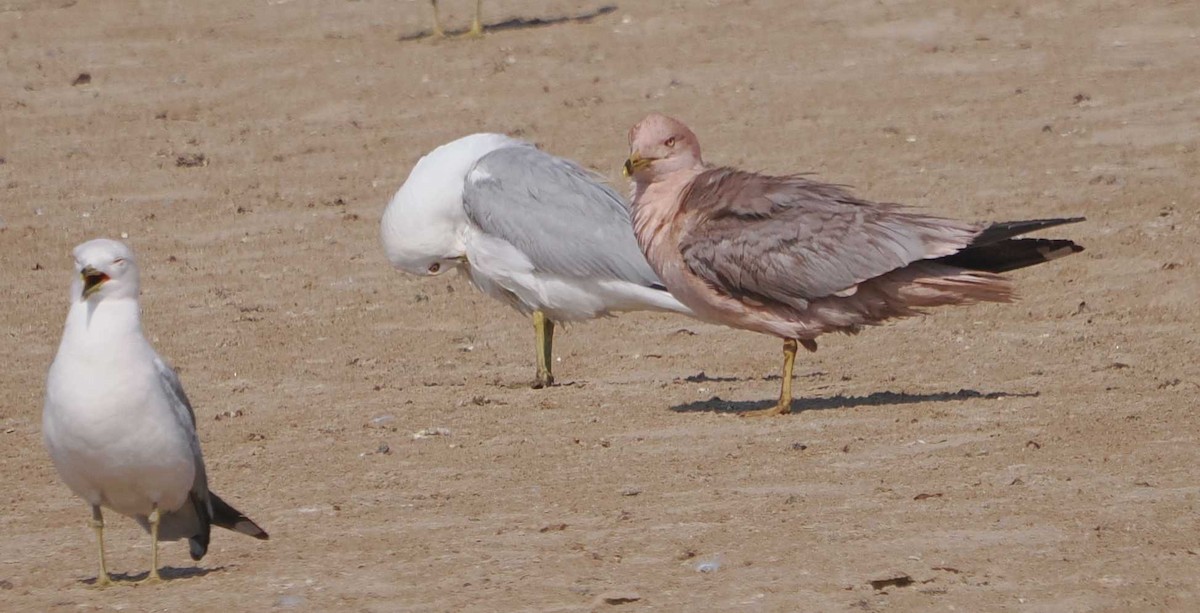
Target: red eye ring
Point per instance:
(434, 267)
(670, 142)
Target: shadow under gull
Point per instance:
(522, 23)
(841, 401)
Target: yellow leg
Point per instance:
(153, 577)
(438, 32)
(784, 406)
(477, 23)
(543, 329)
(102, 579)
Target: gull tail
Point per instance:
(230, 518)
(995, 250)
(965, 277)
(201, 521)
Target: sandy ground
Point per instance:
(1032, 457)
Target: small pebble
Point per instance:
(429, 432)
(382, 420)
(711, 565)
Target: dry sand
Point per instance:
(1032, 457)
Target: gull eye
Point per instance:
(670, 142)
(119, 261)
(434, 267)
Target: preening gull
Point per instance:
(116, 421)
(795, 258)
(532, 230)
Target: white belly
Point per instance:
(120, 445)
(503, 272)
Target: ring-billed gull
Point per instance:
(532, 230)
(116, 421)
(796, 258)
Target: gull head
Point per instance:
(422, 240)
(104, 269)
(660, 145)
(424, 227)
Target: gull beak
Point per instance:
(92, 280)
(635, 163)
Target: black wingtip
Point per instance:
(1011, 254)
(225, 516)
(197, 547)
(198, 542)
(1008, 229)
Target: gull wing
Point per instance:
(204, 508)
(793, 240)
(561, 216)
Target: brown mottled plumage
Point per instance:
(797, 258)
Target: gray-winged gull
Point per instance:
(796, 258)
(116, 421)
(532, 230)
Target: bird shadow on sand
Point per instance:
(702, 377)
(718, 405)
(168, 573)
(522, 23)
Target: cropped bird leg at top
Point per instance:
(153, 577)
(438, 32)
(543, 329)
(476, 23)
(784, 406)
(102, 579)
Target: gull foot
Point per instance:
(542, 381)
(778, 409)
(150, 579)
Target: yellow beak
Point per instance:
(635, 163)
(92, 280)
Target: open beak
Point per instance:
(635, 163)
(92, 280)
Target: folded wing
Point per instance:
(561, 216)
(792, 240)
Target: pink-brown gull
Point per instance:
(797, 258)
